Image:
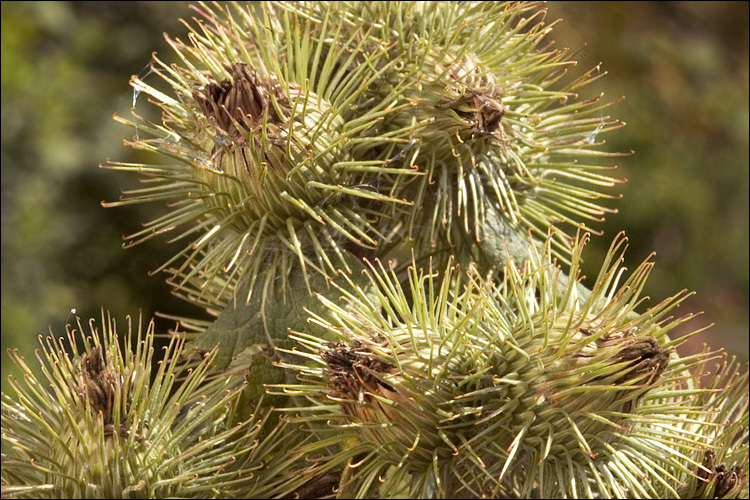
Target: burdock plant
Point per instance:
(517, 388)
(371, 202)
(105, 419)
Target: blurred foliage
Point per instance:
(65, 70)
(683, 67)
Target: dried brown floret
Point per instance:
(242, 103)
(98, 382)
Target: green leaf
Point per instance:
(249, 333)
(501, 240)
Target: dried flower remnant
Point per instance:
(642, 361)
(352, 369)
(721, 480)
(358, 379)
(478, 102)
(98, 381)
(646, 360)
(322, 486)
(635, 365)
(245, 101)
(706, 471)
(729, 481)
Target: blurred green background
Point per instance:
(683, 67)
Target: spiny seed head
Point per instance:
(303, 134)
(719, 463)
(257, 138)
(484, 389)
(493, 120)
(100, 425)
